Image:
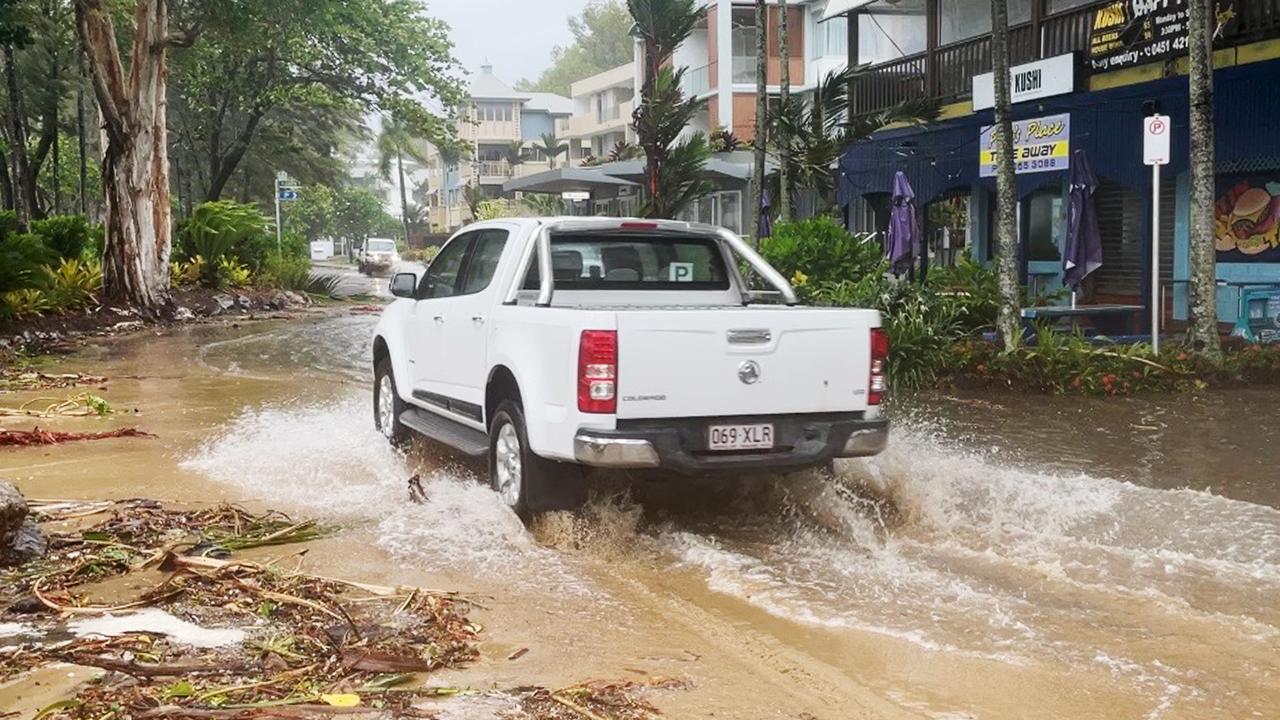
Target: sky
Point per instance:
(515, 36)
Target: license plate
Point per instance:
(740, 437)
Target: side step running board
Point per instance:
(443, 430)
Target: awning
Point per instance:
(724, 166)
(836, 8)
(566, 179)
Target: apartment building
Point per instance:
(501, 127)
(720, 57)
(602, 109)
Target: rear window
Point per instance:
(604, 262)
(381, 245)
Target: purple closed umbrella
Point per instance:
(1084, 242)
(904, 230)
(765, 227)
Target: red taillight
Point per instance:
(879, 383)
(637, 225)
(598, 371)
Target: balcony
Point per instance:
(947, 74)
(744, 69)
(612, 119)
(696, 81)
(493, 172)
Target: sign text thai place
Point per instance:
(1039, 145)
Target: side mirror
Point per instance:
(404, 285)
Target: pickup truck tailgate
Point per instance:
(742, 361)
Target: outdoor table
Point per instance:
(1107, 319)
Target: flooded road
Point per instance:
(1009, 557)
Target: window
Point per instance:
(381, 245)
(964, 19)
(830, 38)
(1045, 226)
(483, 263)
(731, 210)
(888, 31)
(618, 262)
(1057, 6)
(743, 43)
(441, 277)
(493, 112)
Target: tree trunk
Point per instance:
(404, 196)
(224, 165)
(762, 110)
(23, 188)
(1009, 322)
(784, 142)
(1203, 310)
(57, 181)
(135, 165)
(6, 185)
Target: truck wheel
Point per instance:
(515, 472)
(387, 404)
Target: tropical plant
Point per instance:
(284, 272)
(543, 204)
(230, 273)
(663, 113)
(186, 272)
(472, 195)
(73, 283)
(551, 147)
(396, 141)
(216, 230)
(623, 150)
(493, 209)
(674, 168)
(823, 251)
(514, 153)
(816, 131)
(591, 161)
(24, 303)
(723, 140)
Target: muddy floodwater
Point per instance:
(1008, 557)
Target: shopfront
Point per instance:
(948, 164)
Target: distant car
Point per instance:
(377, 255)
(621, 343)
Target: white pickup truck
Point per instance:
(554, 342)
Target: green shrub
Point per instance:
(220, 229)
(423, 255)
(285, 272)
(8, 224)
(22, 258)
(822, 253)
(229, 272)
(24, 303)
(68, 235)
(974, 289)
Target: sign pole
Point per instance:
(279, 176)
(1155, 152)
(1155, 258)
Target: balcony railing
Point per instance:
(696, 81)
(948, 74)
(494, 168)
(744, 68)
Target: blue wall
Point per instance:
(534, 124)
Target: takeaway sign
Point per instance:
(1039, 145)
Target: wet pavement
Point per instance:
(1009, 557)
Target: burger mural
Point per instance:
(1248, 222)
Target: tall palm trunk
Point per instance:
(1203, 311)
(762, 110)
(135, 163)
(404, 196)
(784, 142)
(1006, 197)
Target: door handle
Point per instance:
(477, 319)
(439, 319)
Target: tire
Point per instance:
(526, 483)
(387, 405)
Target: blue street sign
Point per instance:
(288, 194)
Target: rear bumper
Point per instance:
(680, 444)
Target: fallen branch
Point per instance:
(36, 436)
(148, 670)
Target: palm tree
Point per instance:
(673, 170)
(514, 152)
(1203, 329)
(811, 135)
(1006, 195)
(784, 81)
(552, 148)
(762, 110)
(396, 141)
(472, 195)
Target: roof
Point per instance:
(565, 179)
(550, 103)
(486, 86)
